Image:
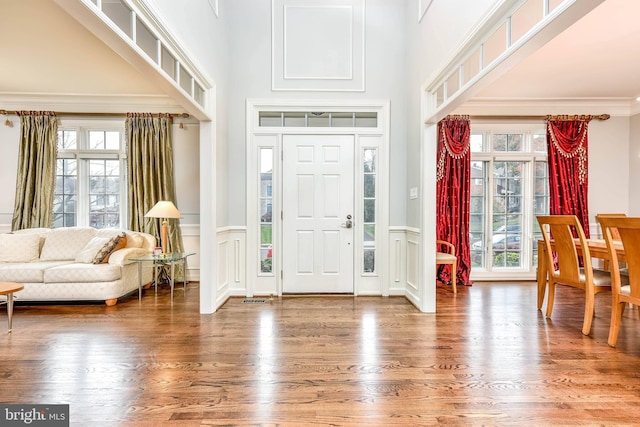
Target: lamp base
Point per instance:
(165, 236)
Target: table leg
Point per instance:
(139, 280)
(10, 309)
(543, 272)
(173, 264)
(184, 274)
(155, 276)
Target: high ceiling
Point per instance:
(46, 52)
(598, 57)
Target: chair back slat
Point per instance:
(564, 229)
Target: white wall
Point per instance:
(9, 137)
(249, 29)
(608, 167)
(431, 42)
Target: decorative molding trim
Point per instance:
(283, 80)
(544, 106)
(112, 103)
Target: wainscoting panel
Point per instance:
(404, 253)
(232, 267)
(397, 260)
(413, 266)
(191, 242)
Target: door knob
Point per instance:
(348, 223)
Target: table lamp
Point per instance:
(164, 209)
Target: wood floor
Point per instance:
(489, 357)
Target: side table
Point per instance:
(8, 288)
(171, 259)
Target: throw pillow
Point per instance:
(103, 254)
(91, 249)
(19, 247)
(121, 243)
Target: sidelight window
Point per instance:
(369, 210)
(266, 210)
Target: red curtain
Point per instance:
(567, 144)
(453, 188)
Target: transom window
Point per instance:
(509, 187)
(316, 119)
(90, 175)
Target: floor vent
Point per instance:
(254, 301)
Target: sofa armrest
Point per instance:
(123, 256)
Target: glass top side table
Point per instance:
(171, 258)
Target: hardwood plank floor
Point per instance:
(488, 357)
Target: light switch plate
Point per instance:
(413, 193)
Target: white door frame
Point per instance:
(270, 137)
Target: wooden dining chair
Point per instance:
(449, 258)
(625, 288)
(566, 268)
(614, 232)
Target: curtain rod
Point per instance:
(84, 114)
(556, 117)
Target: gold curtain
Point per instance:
(35, 182)
(150, 175)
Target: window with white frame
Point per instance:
(509, 187)
(90, 185)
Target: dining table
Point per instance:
(597, 249)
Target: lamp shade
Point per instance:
(163, 209)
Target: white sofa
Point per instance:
(61, 264)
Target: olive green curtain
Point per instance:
(150, 175)
(35, 182)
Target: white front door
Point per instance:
(317, 202)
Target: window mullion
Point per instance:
(83, 192)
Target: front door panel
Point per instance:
(317, 200)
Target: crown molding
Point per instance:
(89, 103)
(543, 106)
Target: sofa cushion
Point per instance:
(19, 247)
(80, 272)
(91, 249)
(65, 243)
(42, 232)
(27, 272)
